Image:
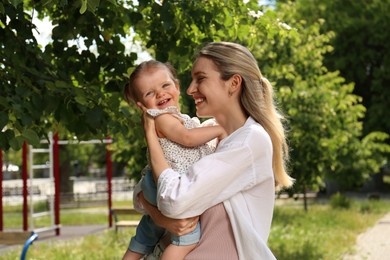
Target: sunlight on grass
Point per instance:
(106, 245)
(13, 217)
(321, 233)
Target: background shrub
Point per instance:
(339, 200)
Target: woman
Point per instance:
(233, 189)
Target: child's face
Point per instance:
(156, 89)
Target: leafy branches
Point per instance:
(74, 84)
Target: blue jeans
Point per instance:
(148, 233)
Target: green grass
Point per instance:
(106, 245)
(321, 233)
(13, 218)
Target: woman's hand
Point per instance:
(175, 226)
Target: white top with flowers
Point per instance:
(179, 157)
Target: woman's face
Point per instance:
(156, 89)
(207, 88)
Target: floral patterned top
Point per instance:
(178, 156)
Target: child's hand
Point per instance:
(147, 120)
(141, 106)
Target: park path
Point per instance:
(66, 233)
(374, 244)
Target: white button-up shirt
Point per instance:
(240, 175)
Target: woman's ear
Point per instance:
(235, 83)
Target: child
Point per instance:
(154, 84)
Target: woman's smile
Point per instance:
(199, 100)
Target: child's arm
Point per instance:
(171, 128)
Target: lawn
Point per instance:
(78, 216)
(323, 232)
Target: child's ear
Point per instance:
(177, 85)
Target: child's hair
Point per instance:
(130, 90)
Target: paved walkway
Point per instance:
(70, 232)
(66, 232)
(374, 244)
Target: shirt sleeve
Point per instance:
(213, 179)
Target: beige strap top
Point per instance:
(217, 241)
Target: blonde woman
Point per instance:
(233, 189)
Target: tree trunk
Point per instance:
(66, 184)
(304, 198)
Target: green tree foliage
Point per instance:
(79, 92)
(325, 115)
(361, 50)
(175, 30)
(60, 86)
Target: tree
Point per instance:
(44, 89)
(79, 92)
(175, 30)
(62, 88)
(361, 50)
(325, 115)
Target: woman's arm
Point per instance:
(171, 128)
(240, 162)
(176, 226)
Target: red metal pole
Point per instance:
(56, 172)
(109, 188)
(25, 192)
(1, 190)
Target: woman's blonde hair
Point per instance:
(256, 98)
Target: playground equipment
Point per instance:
(15, 238)
(10, 238)
(54, 169)
(32, 167)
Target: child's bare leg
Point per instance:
(130, 255)
(176, 252)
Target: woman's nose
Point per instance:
(191, 88)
